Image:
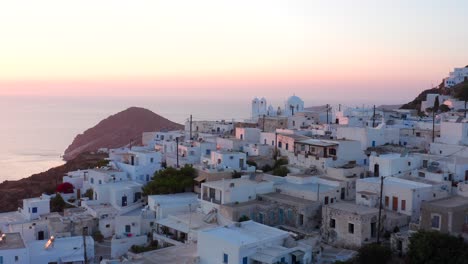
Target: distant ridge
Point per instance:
(119, 130)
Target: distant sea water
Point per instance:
(35, 131)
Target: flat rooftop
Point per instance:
(450, 202)
(307, 187)
(237, 183)
(353, 208)
(178, 254)
(171, 199)
(12, 241)
(245, 233)
(319, 142)
(394, 181)
(287, 198)
(11, 218)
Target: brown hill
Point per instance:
(119, 130)
(12, 192)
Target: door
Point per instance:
(40, 235)
(466, 175)
(373, 143)
(343, 190)
(124, 200)
(373, 230)
(241, 163)
(395, 204)
(376, 170)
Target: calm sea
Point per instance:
(34, 132)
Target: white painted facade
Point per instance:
(231, 191)
(400, 195)
(165, 205)
(33, 208)
(139, 163)
(368, 136)
(457, 76)
(251, 135)
(393, 164)
(242, 243)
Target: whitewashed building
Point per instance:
(457, 76)
(402, 195)
(249, 242)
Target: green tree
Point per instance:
(89, 193)
(57, 204)
(444, 108)
(171, 180)
(373, 253)
(462, 93)
(280, 171)
(432, 247)
(243, 218)
(236, 174)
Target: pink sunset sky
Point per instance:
(380, 50)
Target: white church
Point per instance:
(260, 107)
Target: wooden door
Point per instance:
(395, 204)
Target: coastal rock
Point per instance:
(119, 130)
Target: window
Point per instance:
(333, 152)
(1, 259)
(128, 229)
(287, 146)
(34, 210)
(280, 144)
(409, 163)
(16, 258)
(326, 199)
(435, 221)
(92, 180)
(152, 160)
(108, 226)
(151, 224)
(245, 260)
(351, 228)
(332, 223)
(225, 258)
(403, 205)
(100, 181)
(387, 201)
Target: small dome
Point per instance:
(294, 98)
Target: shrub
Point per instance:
(251, 163)
(281, 171)
(243, 218)
(267, 168)
(374, 253)
(89, 193)
(97, 236)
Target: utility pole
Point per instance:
(263, 129)
(276, 145)
(177, 151)
(433, 126)
(84, 245)
(380, 209)
(327, 112)
(191, 127)
(373, 118)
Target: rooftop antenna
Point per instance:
(191, 127)
(373, 118)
